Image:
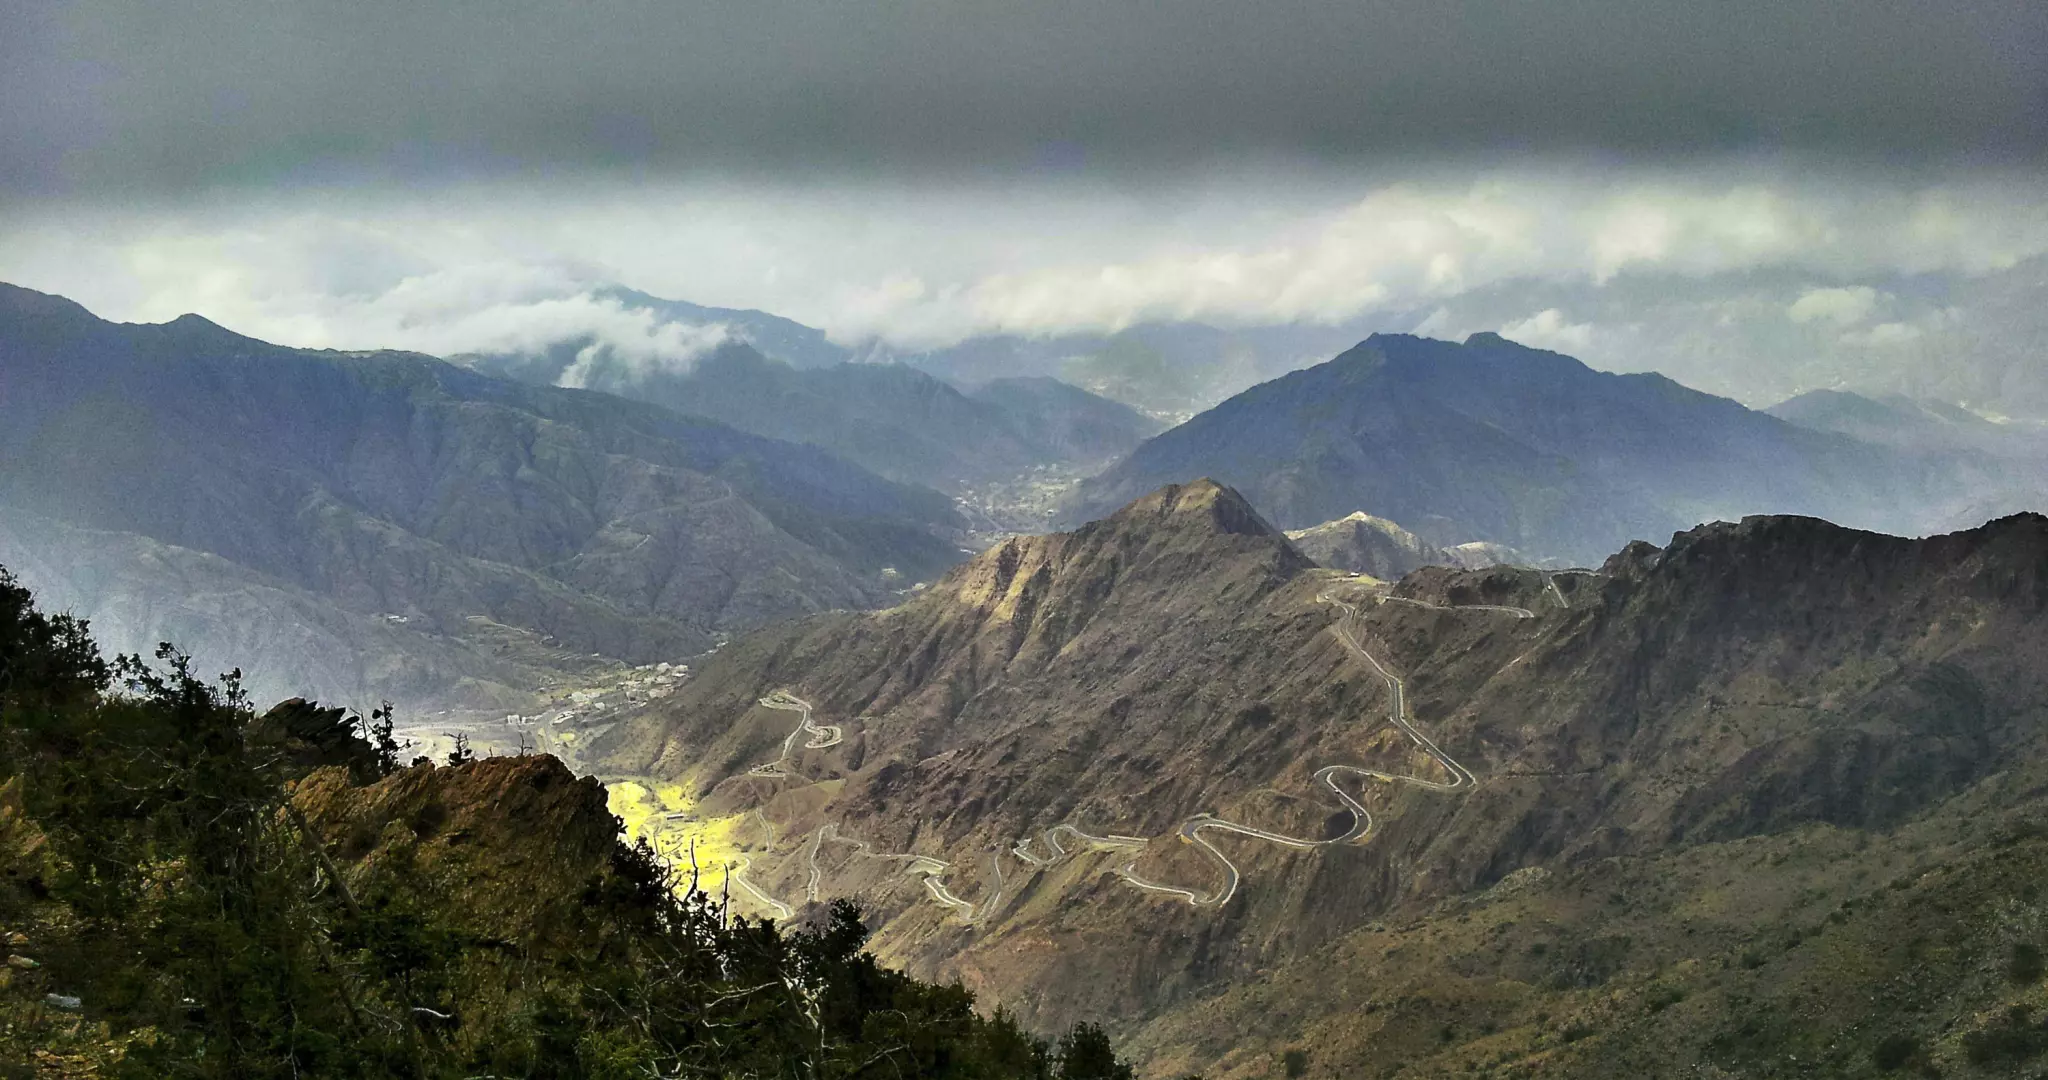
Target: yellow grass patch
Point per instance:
(666, 817)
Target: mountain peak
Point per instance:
(1203, 503)
(190, 323)
(21, 302)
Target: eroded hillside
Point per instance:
(1102, 770)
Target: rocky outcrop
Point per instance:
(509, 839)
(1745, 680)
(1364, 544)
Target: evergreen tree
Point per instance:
(147, 820)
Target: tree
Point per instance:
(1085, 1054)
(462, 754)
(200, 905)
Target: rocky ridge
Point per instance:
(399, 488)
(1745, 684)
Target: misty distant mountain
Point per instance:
(897, 420)
(1490, 440)
(435, 498)
(1913, 423)
(784, 339)
(1065, 422)
(1996, 468)
(1169, 371)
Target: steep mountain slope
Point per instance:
(395, 484)
(190, 888)
(1068, 423)
(897, 420)
(1167, 370)
(288, 639)
(1145, 768)
(1493, 441)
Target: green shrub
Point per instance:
(1894, 1051)
(2026, 966)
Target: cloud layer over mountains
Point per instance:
(124, 94)
(1757, 283)
(1757, 198)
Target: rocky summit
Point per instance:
(1163, 768)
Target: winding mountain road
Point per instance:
(821, 735)
(933, 871)
(1456, 778)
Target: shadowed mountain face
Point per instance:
(1093, 771)
(896, 420)
(1492, 441)
(396, 485)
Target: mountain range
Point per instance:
(1770, 791)
(1167, 370)
(895, 420)
(465, 531)
(1493, 441)
(1390, 793)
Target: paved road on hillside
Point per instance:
(932, 870)
(1456, 777)
(1192, 830)
(821, 735)
(1398, 713)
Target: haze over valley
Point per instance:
(1042, 542)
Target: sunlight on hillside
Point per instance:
(666, 816)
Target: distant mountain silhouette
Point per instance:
(396, 484)
(1490, 440)
(899, 421)
(784, 339)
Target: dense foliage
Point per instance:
(172, 913)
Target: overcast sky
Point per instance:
(1758, 195)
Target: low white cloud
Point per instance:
(496, 268)
(1549, 329)
(1884, 335)
(1844, 306)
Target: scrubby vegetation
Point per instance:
(170, 911)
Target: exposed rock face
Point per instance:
(1174, 659)
(510, 836)
(1364, 544)
(397, 487)
(1491, 441)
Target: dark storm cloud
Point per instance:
(127, 93)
